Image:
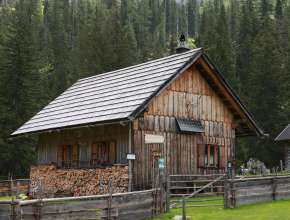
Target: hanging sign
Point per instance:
(154, 139)
(161, 163)
(131, 156)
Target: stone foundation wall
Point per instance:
(49, 181)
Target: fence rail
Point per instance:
(14, 187)
(194, 186)
(131, 205)
(254, 190)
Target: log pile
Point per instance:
(49, 181)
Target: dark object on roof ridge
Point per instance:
(182, 47)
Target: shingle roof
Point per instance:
(284, 135)
(109, 96)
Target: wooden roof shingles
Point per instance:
(111, 96)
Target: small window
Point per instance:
(103, 153)
(210, 156)
(68, 156)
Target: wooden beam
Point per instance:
(130, 161)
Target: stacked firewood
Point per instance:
(48, 181)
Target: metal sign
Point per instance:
(154, 139)
(161, 163)
(131, 156)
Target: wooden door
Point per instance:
(155, 154)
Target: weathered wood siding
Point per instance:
(189, 96)
(135, 205)
(254, 190)
(287, 158)
(84, 137)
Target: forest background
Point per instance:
(46, 45)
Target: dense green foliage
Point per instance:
(46, 45)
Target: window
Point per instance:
(68, 155)
(103, 153)
(210, 156)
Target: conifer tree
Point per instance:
(19, 86)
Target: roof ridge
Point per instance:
(140, 64)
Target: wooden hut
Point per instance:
(285, 137)
(178, 108)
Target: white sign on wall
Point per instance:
(154, 139)
(131, 156)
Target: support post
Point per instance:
(17, 189)
(12, 213)
(110, 200)
(183, 210)
(226, 194)
(274, 188)
(130, 161)
(168, 193)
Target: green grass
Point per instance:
(5, 197)
(276, 210)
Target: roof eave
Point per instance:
(93, 124)
(259, 132)
(278, 138)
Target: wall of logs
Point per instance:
(49, 181)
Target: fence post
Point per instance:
(168, 193)
(233, 195)
(12, 213)
(274, 188)
(226, 195)
(110, 200)
(17, 189)
(183, 210)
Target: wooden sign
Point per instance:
(154, 139)
(131, 156)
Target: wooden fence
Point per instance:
(254, 190)
(131, 205)
(15, 187)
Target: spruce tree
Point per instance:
(19, 87)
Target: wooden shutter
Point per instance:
(216, 155)
(59, 155)
(75, 152)
(94, 152)
(103, 152)
(208, 155)
(200, 155)
(112, 152)
(65, 153)
(222, 154)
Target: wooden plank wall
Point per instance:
(19, 186)
(6, 208)
(287, 158)
(84, 137)
(189, 96)
(254, 190)
(134, 205)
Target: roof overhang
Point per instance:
(246, 124)
(122, 121)
(284, 135)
